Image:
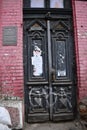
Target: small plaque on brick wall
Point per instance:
(10, 35)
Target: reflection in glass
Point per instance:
(61, 59)
(56, 4)
(37, 3)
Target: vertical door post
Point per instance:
(50, 67)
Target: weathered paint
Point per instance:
(11, 57)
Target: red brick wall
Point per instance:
(0, 40)
(11, 57)
(80, 27)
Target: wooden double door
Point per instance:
(49, 68)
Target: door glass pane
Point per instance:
(61, 59)
(56, 4)
(37, 3)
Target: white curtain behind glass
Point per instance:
(37, 3)
(56, 4)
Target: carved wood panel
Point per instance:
(61, 48)
(37, 50)
(49, 98)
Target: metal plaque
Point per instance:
(10, 35)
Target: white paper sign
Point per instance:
(37, 62)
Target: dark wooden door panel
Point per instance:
(62, 66)
(36, 67)
(38, 100)
(48, 67)
(36, 50)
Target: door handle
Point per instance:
(53, 74)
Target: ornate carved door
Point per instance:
(49, 68)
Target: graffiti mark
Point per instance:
(38, 95)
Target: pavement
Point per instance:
(73, 125)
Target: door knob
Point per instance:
(53, 74)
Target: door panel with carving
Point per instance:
(48, 67)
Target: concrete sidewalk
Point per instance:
(55, 126)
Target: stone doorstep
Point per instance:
(15, 109)
(67, 125)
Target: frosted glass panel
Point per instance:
(37, 4)
(56, 4)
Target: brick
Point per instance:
(80, 28)
(11, 63)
